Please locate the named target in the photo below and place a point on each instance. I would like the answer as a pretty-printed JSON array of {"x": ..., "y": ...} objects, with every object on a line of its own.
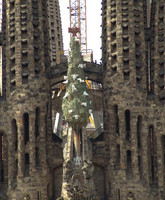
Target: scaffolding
[{"x": 78, "y": 22}]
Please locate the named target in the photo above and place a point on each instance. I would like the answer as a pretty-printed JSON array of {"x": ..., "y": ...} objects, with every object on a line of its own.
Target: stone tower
[
  {"x": 133, "y": 92},
  {"x": 55, "y": 31},
  {"x": 26, "y": 91},
  {"x": 128, "y": 157}
]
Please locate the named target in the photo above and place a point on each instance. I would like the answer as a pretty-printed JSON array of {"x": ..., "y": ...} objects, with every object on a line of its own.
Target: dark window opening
[
  {"x": 113, "y": 36},
  {"x": 126, "y": 52},
  {"x": 127, "y": 124},
  {"x": 39, "y": 195},
  {"x": 27, "y": 164},
  {"x": 13, "y": 84},
  {"x": 113, "y": 48},
  {"x": 140, "y": 166},
  {"x": 114, "y": 70},
  {"x": 113, "y": 59},
  {"x": 48, "y": 190},
  {"x": 25, "y": 79},
  {"x": 1, "y": 158},
  {"x": 152, "y": 151},
  {"x": 125, "y": 30},
  {"x": 126, "y": 75},
  {"x": 116, "y": 119},
  {"x": 113, "y": 25},
  {"x": 129, "y": 163},
  {"x": 12, "y": 74},
  {"x": 118, "y": 191},
  {"x": 2, "y": 146},
  {"x": 37, "y": 121},
  {"x": 26, "y": 127},
  {"x": 24, "y": 45},
  {"x": 109, "y": 188},
  {"x": 15, "y": 132},
  {"x": 152, "y": 154},
  {"x": 152, "y": 168},
  {"x": 2, "y": 175},
  {"x": 139, "y": 129}
]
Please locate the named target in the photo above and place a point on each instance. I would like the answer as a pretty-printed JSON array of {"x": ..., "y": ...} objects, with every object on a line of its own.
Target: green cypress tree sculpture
[{"x": 76, "y": 104}]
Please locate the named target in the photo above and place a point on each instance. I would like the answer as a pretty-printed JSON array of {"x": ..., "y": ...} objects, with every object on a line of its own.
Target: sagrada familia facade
[{"x": 126, "y": 161}]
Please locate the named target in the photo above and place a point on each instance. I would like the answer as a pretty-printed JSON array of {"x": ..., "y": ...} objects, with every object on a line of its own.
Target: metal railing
[{"x": 96, "y": 131}]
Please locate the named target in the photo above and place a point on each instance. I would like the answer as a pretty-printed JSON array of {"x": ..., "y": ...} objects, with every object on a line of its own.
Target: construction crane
[{"x": 78, "y": 23}]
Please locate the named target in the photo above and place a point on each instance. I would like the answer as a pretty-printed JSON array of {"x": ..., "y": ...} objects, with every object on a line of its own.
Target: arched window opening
[
  {"x": 127, "y": 124},
  {"x": 48, "y": 188},
  {"x": 27, "y": 164},
  {"x": 163, "y": 149},
  {"x": 37, "y": 121},
  {"x": 37, "y": 157},
  {"x": 140, "y": 166},
  {"x": 129, "y": 164},
  {"x": 139, "y": 129},
  {"x": 110, "y": 192},
  {"x": 26, "y": 127},
  {"x": 1, "y": 158},
  {"x": 15, "y": 133},
  {"x": 118, "y": 193},
  {"x": 116, "y": 119},
  {"x": 152, "y": 153}
]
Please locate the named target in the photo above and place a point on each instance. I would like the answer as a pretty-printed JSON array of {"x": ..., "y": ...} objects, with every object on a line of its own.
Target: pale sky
[{"x": 93, "y": 26}]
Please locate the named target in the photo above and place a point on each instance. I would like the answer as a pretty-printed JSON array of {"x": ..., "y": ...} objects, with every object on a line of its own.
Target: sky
[{"x": 93, "y": 26}]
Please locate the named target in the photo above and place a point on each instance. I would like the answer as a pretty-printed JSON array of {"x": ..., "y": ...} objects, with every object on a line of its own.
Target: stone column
[
  {"x": 144, "y": 154},
  {"x": 11, "y": 157},
  {"x": 135, "y": 169},
  {"x": 42, "y": 141},
  {"x": 86, "y": 154},
  {"x": 32, "y": 150}
]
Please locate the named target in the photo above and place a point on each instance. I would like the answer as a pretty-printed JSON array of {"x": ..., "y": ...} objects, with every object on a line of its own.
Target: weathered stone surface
[{"x": 128, "y": 158}]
